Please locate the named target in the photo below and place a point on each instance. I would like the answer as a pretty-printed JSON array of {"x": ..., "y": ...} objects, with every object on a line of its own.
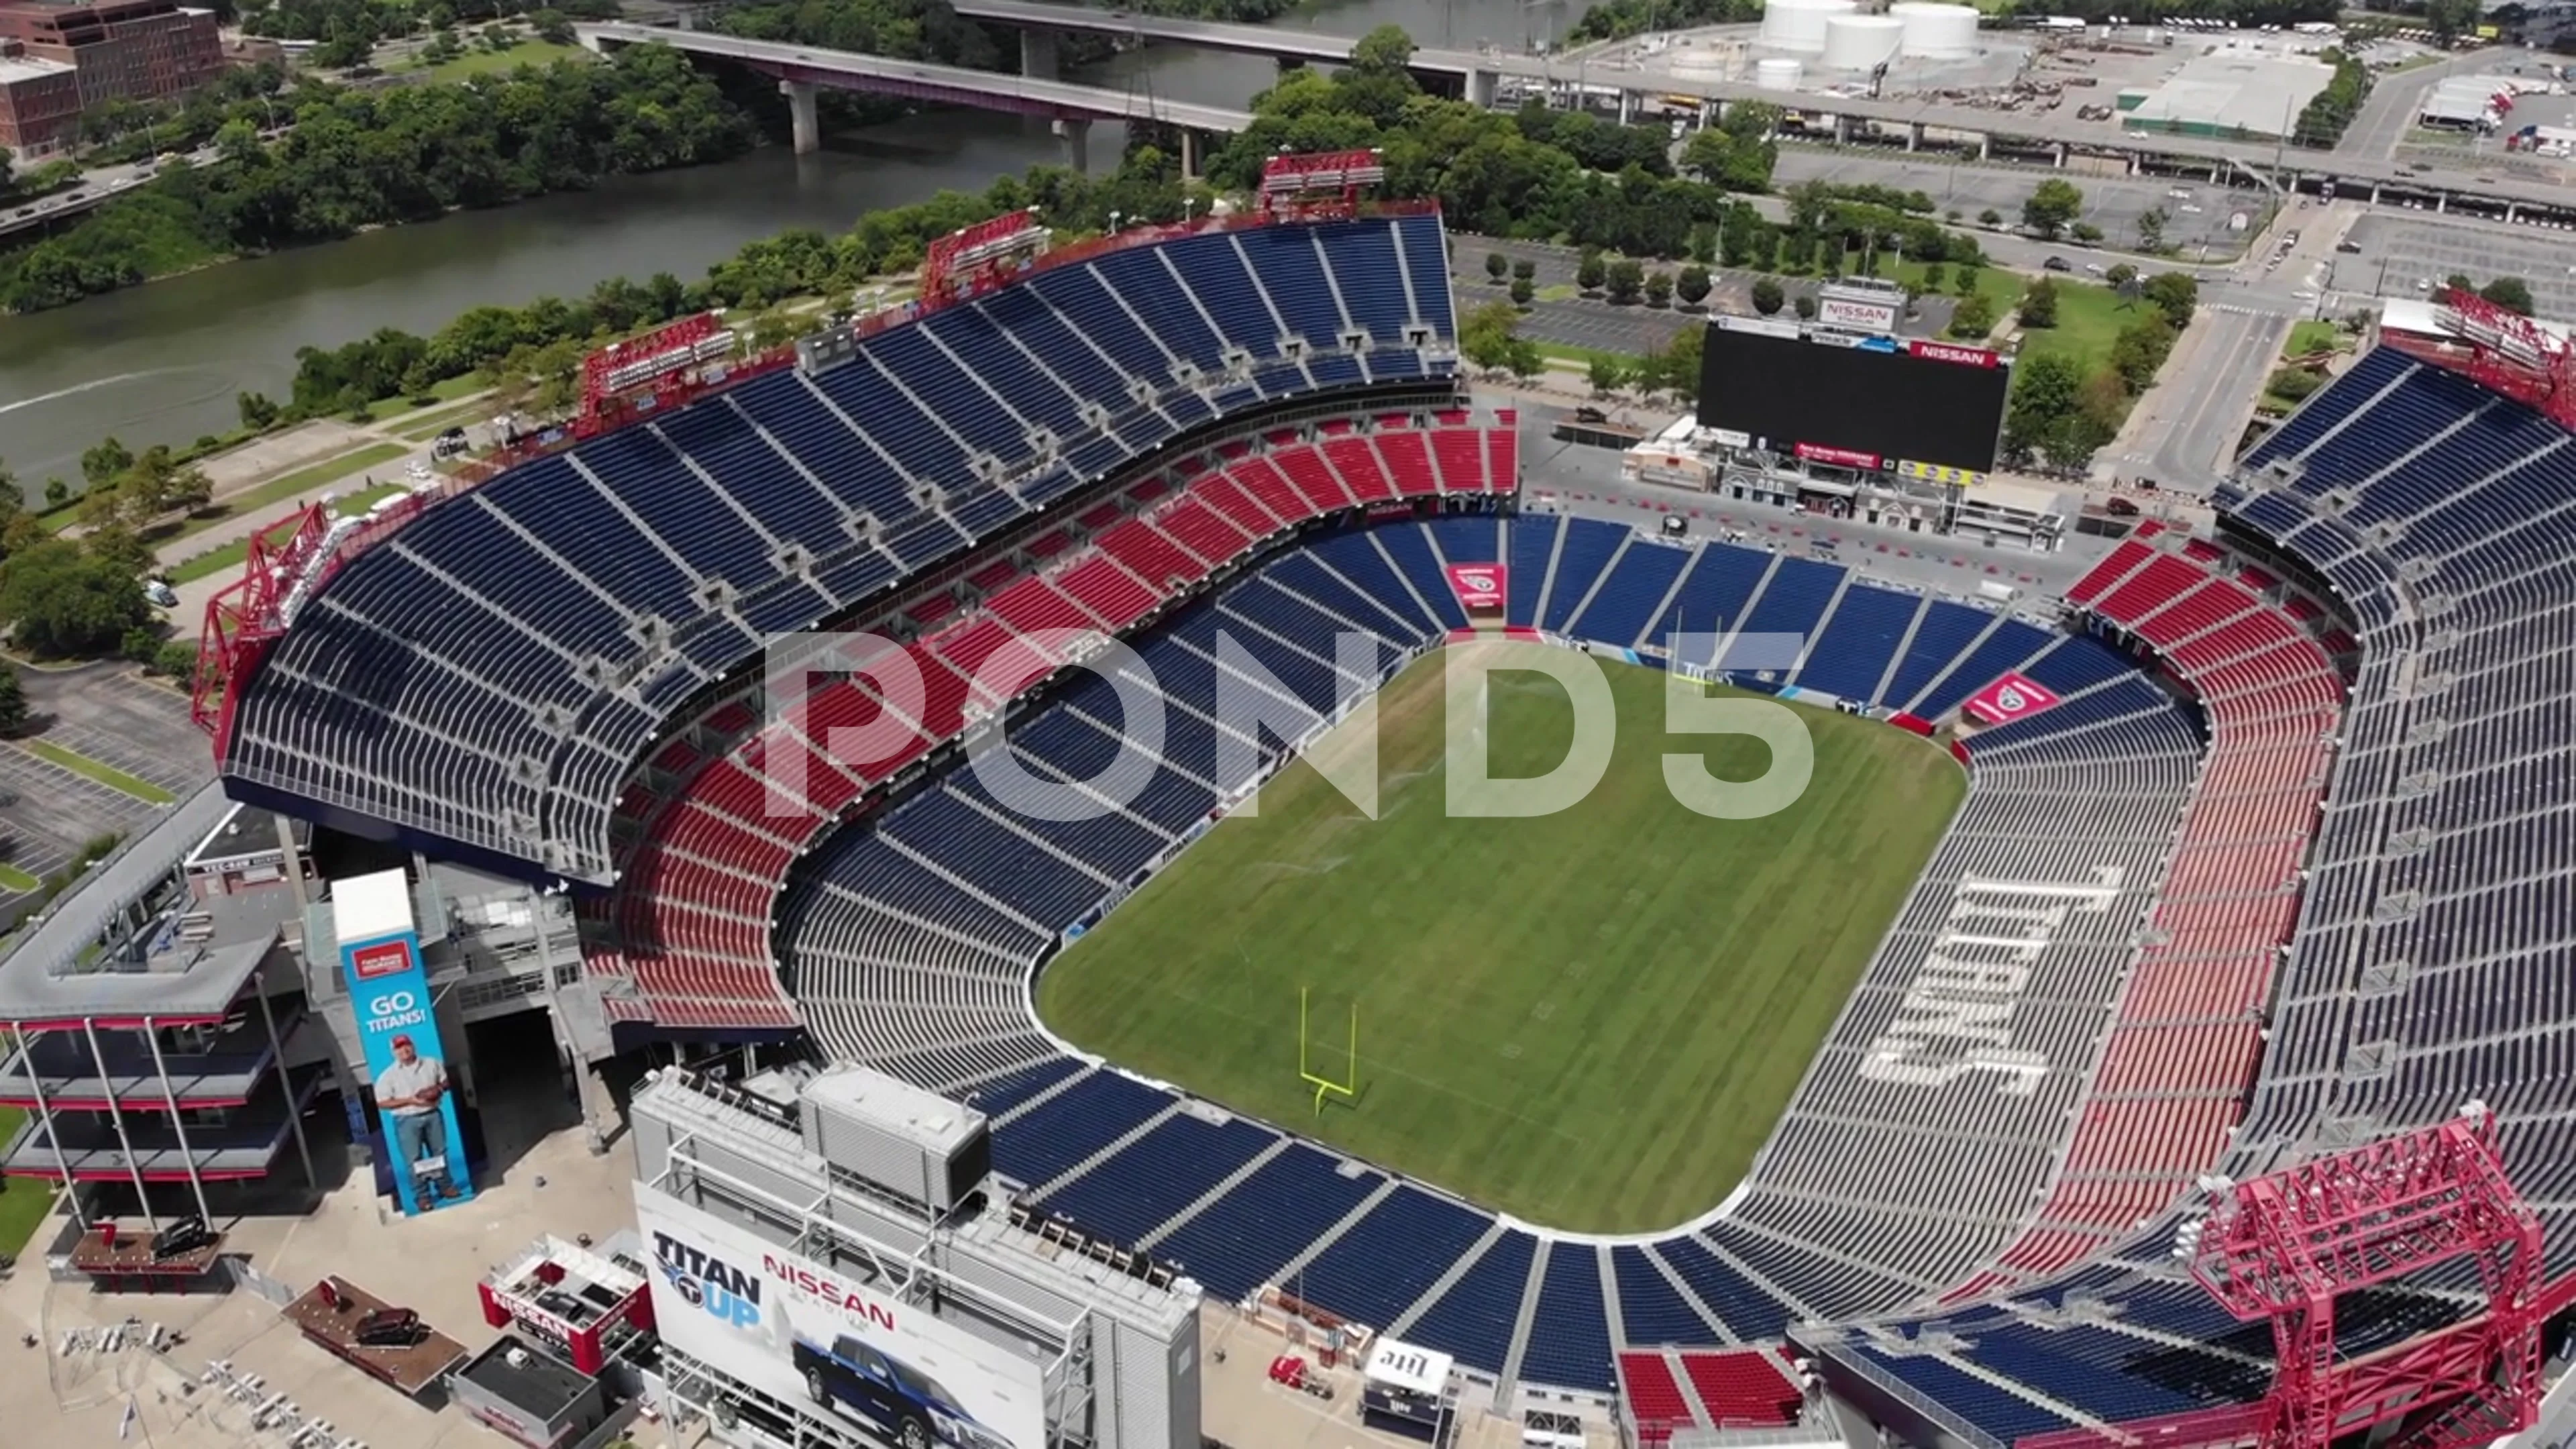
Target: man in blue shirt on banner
[{"x": 408, "y": 1092}]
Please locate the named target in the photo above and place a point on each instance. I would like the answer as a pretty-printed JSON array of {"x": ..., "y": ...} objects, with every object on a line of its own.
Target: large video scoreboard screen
[{"x": 1863, "y": 403}]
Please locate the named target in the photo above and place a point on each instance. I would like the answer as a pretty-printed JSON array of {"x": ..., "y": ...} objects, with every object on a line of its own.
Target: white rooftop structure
[
  {"x": 2258, "y": 93},
  {"x": 16, "y": 68}
]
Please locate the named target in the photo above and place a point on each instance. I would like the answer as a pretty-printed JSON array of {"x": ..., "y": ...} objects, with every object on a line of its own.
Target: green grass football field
[{"x": 1590, "y": 1020}]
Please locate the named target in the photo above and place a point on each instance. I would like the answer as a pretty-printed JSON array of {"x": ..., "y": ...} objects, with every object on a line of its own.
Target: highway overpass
[
  {"x": 803, "y": 69},
  {"x": 1908, "y": 121}
]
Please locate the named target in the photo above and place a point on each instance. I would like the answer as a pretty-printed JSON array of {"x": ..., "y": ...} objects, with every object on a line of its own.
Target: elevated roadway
[
  {"x": 801, "y": 69},
  {"x": 2359, "y": 167}
]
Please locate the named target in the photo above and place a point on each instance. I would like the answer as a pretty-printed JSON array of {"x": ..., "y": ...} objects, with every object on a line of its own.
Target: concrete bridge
[
  {"x": 802, "y": 70},
  {"x": 1897, "y": 121}
]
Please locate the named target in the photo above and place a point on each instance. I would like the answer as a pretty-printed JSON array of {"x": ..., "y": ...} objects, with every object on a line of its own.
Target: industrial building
[
  {"x": 59, "y": 61},
  {"x": 2231, "y": 92}
]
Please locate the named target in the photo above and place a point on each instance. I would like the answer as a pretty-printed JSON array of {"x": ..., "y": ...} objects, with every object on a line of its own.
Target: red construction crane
[{"x": 2511, "y": 354}]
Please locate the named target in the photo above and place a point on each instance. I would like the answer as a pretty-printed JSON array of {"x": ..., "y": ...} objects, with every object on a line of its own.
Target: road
[{"x": 96, "y": 187}]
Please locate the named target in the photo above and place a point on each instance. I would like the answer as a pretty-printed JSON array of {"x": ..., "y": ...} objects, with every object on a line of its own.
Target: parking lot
[
  {"x": 104, "y": 713},
  {"x": 2112, "y": 203},
  {"x": 1637, "y": 329},
  {"x": 2408, "y": 256}
]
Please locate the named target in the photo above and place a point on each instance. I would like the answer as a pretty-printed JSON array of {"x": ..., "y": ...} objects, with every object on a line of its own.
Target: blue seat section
[
  {"x": 1147, "y": 286},
  {"x": 978, "y": 341},
  {"x": 1946, "y": 630},
  {"x": 1411, "y": 550},
  {"x": 1533, "y": 544},
  {"x": 1291, "y": 270},
  {"x": 1355, "y": 557},
  {"x": 2131, "y": 695},
  {"x": 722, "y": 441},
  {"x": 1238, "y": 1242},
  {"x": 2365, "y": 380},
  {"x": 998, "y": 1096},
  {"x": 1743, "y": 1307},
  {"x": 1373, "y": 1272},
  {"x": 1569, "y": 1344},
  {"x": 1216, "y": 277},
  {"x": 1785, "y": 615},
  {"x": 862, "y": 862},
  {"x": 792, "y": 414},
  {"x": 2006, "y": 648},
  {"x": 1589, "y": 545},
  {"x": 1383, "y": 311},
  {"x": 1474, "y": 1318},
  {"x": 1110, "y": 843},
  {"x": 1626, "y": 601},
  {"x": 2086, "y": 1367},
  {"x": 872, "y": 393},
  {"x": 2078, "y": 663},
  {"x": 1650, "y": 1308},
  {"x": 1426, "y": 266},
  {"x": 1011, "y": 868},
  {"x": 1072, "y": 1125},
  {"x": 1378, "y": 604},
  {"x": 1469, "y": 538},
  {"x": 1158, "y": 1175},
  {"x": 2005, "y": 1415},
  {"x": 612, "y": 551},
  {"x": 1712, "y": 597},
  {"x": 1852, "y": 652}
]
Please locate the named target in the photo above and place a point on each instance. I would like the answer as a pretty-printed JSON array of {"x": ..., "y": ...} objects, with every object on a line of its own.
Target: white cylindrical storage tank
[
  {"x": 1800, "y": 24},
  {"x": 1698, "y": 62},
  {"x": 1935, "y": 31},
  {"x": 1779, "y": 73},
  {"x": 1861, "y": 42}
]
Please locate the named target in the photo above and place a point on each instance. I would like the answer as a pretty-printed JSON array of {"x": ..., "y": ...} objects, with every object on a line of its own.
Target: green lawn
[
  {"x": 2089, "y": 319},
  {"x": 17, "y": 882},
  {"x": 23, "y": 1200},
  {"x": 1999, "y": 287},
  {"x": 2311, "y": 334},
  {"x": 100, "y": 771},
  {"x": 479, "y": 61},
  {"x": 272, "y": 492},
  {"x": 1591, "y": 1019}
]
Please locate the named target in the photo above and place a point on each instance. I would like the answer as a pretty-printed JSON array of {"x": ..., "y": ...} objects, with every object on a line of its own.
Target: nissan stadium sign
[{"x": 797, "y": 1330}]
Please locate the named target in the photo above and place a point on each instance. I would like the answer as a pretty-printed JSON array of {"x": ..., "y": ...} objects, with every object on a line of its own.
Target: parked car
[
  {"x": 2057, "y": 264},
  {"x": 907, "y": 1404},
  {"x": 161, "y": 595}
]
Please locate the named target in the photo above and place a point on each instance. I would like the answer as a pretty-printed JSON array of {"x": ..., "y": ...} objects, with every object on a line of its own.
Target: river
[{"x": 162, "y": 363}]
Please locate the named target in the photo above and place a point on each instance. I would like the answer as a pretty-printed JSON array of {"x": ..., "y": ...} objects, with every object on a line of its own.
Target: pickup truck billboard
[{"x": 795, "y": 1329}]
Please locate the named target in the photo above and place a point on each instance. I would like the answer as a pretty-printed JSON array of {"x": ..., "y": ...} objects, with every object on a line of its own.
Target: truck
[{"x": 910, "y": 1407}]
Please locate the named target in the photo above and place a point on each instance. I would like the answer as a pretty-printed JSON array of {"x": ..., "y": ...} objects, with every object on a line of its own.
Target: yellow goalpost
[{"x": 1348, "y": 1087}]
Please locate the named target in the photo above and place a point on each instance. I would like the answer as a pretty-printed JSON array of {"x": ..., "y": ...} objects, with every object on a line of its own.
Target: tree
[
  {"x": 1767, "y": 297},
  {"x": 257, "y": 412},
  {"x": 1497, "y": 266},
  {"x": 2087, "y": 233},
  {"x": 1525, "y": 270},
  {"x": 1935, "y": 275},
  {"x": 552, "y": 27},
  {"x": 1990, "y": 217},
  {"x": 1485, "y": 337},
  {"x": 2151, "y": 229},
  {"x": 2175, "y": 294},
  {"x": 1609, "y": 374},
  {"x": 1385, "y": 51},
  {"x": 104, "y": 462},
  {"x": 1974, "y": 318},
  {"x": 2121, "y": 276},
  {"x": 1969, "y": 280},
  {"x": 2292, "y": 384},
  {"x": 2450, "y": 19},
  {"x": 1525, "y": 360},
  {"x": 13, "y": 702},
  {"x": 1524, "y": 292},
  {"x": 2140, "y": 351},
  {"x": 1627, "y": 277},
  {"x": 1805, "y": 307},
  {"x": 2043, "y": 398},
  {"x": 1659, "y": 289},
  {"x": 2039, "y": 304},
  {"x": 1590, "y": 271},
  {"x": 1693, "y": 288},
  {"x": 2511, "y": 293},
  {"x": 2052, "y": 205},
  {"x": 57, "y": 493},
  {"x": 59, "y": 599}
]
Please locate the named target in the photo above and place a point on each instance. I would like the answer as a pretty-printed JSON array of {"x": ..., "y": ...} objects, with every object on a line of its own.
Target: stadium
[{"x": 2176, "y": 978}]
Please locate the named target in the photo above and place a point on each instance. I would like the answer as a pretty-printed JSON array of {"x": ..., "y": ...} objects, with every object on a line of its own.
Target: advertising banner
[
  {"x": 407, "y": 1069},
  {"x": 1481, "y": 585},
  {"x": 792, "y": 1328},
  {"x": 1870, "y": 316},
  {"x": 1840, "y": 457},
  {"x": 1953, "y": 352},
  {"x": 2010, "y": 698}
]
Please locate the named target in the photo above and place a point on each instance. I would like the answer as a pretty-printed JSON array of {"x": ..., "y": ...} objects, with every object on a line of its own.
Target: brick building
[{"x": 58, "y": 60}]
